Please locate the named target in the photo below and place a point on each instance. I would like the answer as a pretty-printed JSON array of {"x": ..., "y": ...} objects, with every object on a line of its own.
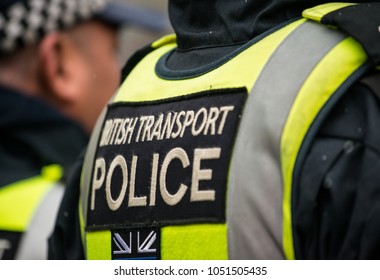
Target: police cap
[{"x": 23, "y": 22}]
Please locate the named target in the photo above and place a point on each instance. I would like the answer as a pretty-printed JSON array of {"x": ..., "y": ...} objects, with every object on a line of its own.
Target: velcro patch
[{"x": 165, "y": 162}]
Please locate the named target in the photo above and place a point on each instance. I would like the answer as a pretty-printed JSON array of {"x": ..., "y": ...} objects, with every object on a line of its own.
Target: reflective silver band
[
  {"x": 34, "y": 242},
  {"x": 255, "y": 198}
]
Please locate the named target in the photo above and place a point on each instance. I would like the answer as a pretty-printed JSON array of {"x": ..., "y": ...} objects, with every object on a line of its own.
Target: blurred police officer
[
  {"x": 58, "y": 67},
  {"x": 252, "y": 134}
]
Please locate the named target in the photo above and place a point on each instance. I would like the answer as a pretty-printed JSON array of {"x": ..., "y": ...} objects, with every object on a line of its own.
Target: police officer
[
  {"x": 56, "y": 58},
  {"x": 250, "y": 134}
]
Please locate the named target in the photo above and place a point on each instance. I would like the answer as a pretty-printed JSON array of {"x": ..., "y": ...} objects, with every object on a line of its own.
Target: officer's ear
[{"x": 60, "y": 68}]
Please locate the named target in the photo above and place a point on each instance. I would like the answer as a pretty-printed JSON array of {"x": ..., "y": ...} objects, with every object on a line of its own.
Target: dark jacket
[{"x": 33, "y": 135}]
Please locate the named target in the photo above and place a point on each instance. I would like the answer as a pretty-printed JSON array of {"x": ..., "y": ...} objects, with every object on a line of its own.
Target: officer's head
[{"x": 64, "y": 51}]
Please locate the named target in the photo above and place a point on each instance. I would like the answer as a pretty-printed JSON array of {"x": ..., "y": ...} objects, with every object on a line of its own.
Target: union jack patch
[{"x": 136, "y": 244}]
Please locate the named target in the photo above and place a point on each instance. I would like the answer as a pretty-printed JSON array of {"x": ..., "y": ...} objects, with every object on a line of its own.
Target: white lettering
[
  {"x": 115, "y": 193},
  {"x": 168, "y": 126},
  {"x": 202, "y": 174},
  {"x": 116, "y": 125},
  {"x": 114, "y": 204},
  {"x": 188, "y": 121},
  {"x": 179, "y": 124},
  {"x": 225, "y": 110},
  {"x": 198, "y": 131},
  {"x": 180, "y": 154},
  {"x": 157, "y": 128},
  {"x": 121, "y": 133},
  {"x": 147, "y": 129},
  {"x": 142, "y": 122},
  {"x": 106, "y": 134},
  {"x": 134, "y": 201},
  {"x": 129, "y": 130},
  {"x": 212, "y": 118}
]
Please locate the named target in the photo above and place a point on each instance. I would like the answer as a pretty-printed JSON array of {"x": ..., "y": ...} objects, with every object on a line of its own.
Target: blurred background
[{"x": 133, "y": 38}]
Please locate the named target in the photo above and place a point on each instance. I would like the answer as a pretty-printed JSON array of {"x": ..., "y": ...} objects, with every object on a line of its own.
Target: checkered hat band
[{"x": 25, "y": 22}]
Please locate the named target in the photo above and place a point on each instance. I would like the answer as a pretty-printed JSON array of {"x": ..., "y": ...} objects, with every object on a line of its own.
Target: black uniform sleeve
[
  {"x": 336, "y": 212},
  {"x": 65, "y": 243}
]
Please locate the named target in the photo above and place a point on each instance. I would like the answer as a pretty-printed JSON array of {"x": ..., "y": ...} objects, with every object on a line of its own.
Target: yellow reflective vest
[
  {"x": 200, "y": 164},
  {"x": 27, "y": 214}
]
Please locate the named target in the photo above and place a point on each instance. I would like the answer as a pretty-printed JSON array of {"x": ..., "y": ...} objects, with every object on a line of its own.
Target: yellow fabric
[
  {"x": 19, "y": 201},
  {"x": 143, "y": 84},
  {"x": 52, "y": 172},
  {"x": 318, "y": 12},
  {"x": 317, "y": 89},
  {"x": 82, "y": 224},
  {"x": 96, "y": 240},
  {"x": 168, "y": 39},
  {"x": 249, "y": 65},
  {"x": 194, "y": 242}
]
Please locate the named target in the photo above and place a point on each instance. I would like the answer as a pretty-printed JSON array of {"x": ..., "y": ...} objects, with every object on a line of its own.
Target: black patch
[
  {"x": 136, "y": 244},
  {"x": 215, "y": 115},
  {"x": 9, "y": 241},
  {"x": 362, "y": 22}
]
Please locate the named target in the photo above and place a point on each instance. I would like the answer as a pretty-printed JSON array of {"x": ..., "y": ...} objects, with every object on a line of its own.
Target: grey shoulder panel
[
  {"x": 34, "y": 244},
  {"x": 255, "y": 198}
]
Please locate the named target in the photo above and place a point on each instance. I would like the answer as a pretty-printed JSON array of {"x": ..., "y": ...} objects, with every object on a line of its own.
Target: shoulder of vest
[
  {"x": 144, "y": 51},
  {"x": 33, "y": 189},
  {"x": 360, "y": 21}
]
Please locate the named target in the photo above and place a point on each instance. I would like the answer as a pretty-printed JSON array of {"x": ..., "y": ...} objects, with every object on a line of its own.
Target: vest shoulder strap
[
  {"x": 360, "y": 21},
  {"x": 144, "y": 51}
]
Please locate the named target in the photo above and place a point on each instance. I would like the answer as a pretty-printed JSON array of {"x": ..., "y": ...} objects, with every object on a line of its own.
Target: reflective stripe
[
  {"x": 248, "y": 63},
  {"x": 19, "y": 201},
  {"x": 258, "y": 208},
  {"x": 346, "y": 57},
  {"x": 255, "y": 198},
  {"x": 316, "y": 13},
  {"x": 30, "y": 207},
  {"x": 33, "y": 245}
]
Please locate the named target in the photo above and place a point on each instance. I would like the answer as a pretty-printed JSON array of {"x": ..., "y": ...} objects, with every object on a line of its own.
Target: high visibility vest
[
  {"x": 28, "y": 210},
  {"x": 200, "y": 164}
]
